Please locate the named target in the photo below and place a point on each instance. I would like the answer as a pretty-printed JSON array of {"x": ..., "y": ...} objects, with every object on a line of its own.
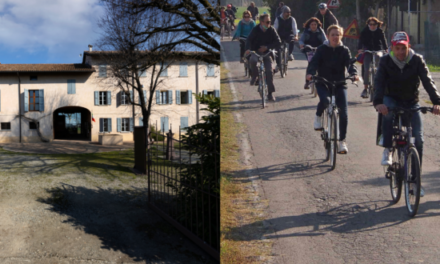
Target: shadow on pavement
[{"x": 123, "y": 222}]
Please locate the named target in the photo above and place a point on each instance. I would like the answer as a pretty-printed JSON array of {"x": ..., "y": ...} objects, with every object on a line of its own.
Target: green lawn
[
  {"x": 241, "y": 9},
  {"x": 434, "y": 68}
]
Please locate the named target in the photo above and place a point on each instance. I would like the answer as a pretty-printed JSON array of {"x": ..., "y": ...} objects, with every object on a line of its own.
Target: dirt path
[
  {"x": 50, "y": 215},
  {"x": 340, "y": 216}
]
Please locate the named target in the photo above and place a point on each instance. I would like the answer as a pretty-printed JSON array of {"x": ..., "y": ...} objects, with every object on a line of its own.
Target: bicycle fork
[{"x": 333, "y": 109}]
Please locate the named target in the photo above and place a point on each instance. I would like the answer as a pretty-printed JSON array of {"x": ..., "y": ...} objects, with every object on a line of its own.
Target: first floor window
[
  {"x": 6, "y": 126},
  {"x": 105, "y": 125},
  {"x": 34, "y": 100},
  {"x": 125, "y": 126},
  {"x": 164, "y": 97},
  {"x": 103, "y": 98}
]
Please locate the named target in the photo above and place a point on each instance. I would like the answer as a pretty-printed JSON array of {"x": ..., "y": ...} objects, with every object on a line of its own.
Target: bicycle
[
  {"x": 330, "y": 119},
  {"x": 309, "y": 52},
  {"x": 373, "y": 71},
  {"x": 405, "y": 166},
  {"x": 247, "y": 69},
  {"x": 284, "y": 58},
  {"x": 262, "y": 84}
]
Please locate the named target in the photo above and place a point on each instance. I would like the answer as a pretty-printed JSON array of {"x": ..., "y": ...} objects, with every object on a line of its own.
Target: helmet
[
  {"x": 229, "y": 6},
  {"x": 322, "y": 6}
]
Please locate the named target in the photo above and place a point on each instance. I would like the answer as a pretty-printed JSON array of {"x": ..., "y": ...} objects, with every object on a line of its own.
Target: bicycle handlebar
[
  {"x": 375, "y": 51},
  {"x": 262, "y": 56},
  {"x": 333, "y": 83}
]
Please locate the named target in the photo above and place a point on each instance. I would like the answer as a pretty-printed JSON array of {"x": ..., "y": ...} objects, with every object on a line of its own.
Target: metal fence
[{"x": 183, "y": 186}]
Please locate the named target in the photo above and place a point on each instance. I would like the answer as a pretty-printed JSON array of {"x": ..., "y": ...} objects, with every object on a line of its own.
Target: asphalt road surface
[{"x": 340, "y": 216}]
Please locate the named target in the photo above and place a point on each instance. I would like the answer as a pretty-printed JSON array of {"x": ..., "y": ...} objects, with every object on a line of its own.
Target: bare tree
[
  {"x": 128, "y": 53},
  {"x": 197, "y": 21}
]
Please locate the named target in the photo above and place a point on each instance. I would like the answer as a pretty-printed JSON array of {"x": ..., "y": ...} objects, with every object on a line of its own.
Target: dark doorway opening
[{"x": 72, "y": 123}]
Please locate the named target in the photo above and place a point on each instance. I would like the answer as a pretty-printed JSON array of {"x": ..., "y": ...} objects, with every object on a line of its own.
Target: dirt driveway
[{"x": 82, "y": 208}]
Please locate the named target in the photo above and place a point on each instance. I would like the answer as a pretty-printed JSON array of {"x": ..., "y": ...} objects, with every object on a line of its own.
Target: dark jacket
[
  {"x": 254, "y": 12},
  {"x": 403, "y": 85},
  {"x": 327, "y": 20},
  {"x": 305, "y": 37},
  {"x": 330, "y": 63},
  {"x": 259, "y": 38},
  {"x": 230, "y": 13},
  {"x": 372, "y": 40}
]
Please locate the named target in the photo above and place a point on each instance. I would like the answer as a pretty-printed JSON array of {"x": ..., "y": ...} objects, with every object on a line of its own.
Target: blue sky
[{"x": 47, "y": 31}]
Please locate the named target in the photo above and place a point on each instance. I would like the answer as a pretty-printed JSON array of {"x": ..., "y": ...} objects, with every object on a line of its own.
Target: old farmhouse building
[{"x": 65, "y": 99}]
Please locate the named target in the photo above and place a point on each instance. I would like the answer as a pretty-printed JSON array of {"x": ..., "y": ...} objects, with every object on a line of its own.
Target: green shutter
[
  {"x": 178, "y": 97},
  {"x": 131, "y": 124},
  {"x": 109, "y": 125},
  {"x": 96, "y": 98},
  {"x": 183, "y": 122},
  {"x": 118, "y": 124},
  {"x": 190, "y": 97},
  {"x": 170, "y": 97},
  {"x": 158, "y": 97},
  {"x": 184, "y": 69},
  {"x": 41, "y": 97},
  {"x": 109, "y": 98}
]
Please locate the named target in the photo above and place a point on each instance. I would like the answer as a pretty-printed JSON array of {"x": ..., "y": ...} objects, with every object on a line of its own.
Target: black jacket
[
  {"x": 330, "y": 63},
  {"x": 259, "y": 38},
  {"x": 254, "y": 11},
  {"x": 372, "y": 40},
  {"x": 327, "y": 20},
  {"x": 403, "y": 85},
  {"x": 229, "y": 12}
]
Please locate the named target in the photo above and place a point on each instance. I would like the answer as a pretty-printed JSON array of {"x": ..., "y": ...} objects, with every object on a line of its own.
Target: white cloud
[{"x": 58, "y": 26}]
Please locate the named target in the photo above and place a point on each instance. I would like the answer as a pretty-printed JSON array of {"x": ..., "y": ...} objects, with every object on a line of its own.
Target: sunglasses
[
  {"x": 372, "y": 25},
  {"x": 247, "y": 17}
]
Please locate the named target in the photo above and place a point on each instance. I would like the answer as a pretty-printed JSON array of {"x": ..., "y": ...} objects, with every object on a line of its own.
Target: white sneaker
[
  {"x": 387, "y": 158},
  {"x": 317, "y": 124},
  {"x": 342, "y": 147},
  {"x": 291, "y": 57}
]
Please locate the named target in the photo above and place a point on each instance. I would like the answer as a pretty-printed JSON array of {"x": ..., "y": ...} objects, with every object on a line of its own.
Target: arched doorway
[{"x": 72, "y": 123}]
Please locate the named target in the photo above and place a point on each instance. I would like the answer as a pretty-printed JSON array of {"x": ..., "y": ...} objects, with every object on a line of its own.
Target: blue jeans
[
  {"x": 341, "y": 103},
  {"x": 416, "y": 124}
]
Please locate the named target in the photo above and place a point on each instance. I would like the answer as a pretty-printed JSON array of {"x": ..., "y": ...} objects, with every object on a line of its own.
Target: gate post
[{"x": 170, "y": 146}]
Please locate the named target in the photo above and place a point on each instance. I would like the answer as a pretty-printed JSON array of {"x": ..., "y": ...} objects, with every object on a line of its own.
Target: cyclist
[
  {"x": 372, "y": 38},
  {"x": 231, "y": 16},
  {"x": 254, "y": 10},
  {"x": 397, "y": 85},
  {"x": 244, "y": 28},
  {"x": 313, "y": 35},
  {"x": 330, "y": 61},
  {"x": 234, "y": 9},
  {"x": 263, "y": 38},
  {"x": 224, "y": 18},
  {"x": 286, "y": 28},
  {"x": 325, "y": 16},
  {"x": 279, "y": 9}
]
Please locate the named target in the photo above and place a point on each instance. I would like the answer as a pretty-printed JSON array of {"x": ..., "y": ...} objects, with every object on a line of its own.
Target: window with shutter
[
  {"x": 71, "y": 86},
  {"x": 178, "y": 97},
  {"x": 102, "y": 71},
  {"x": 217, "y": 93},
  {"x": 190, "y": 97},
  {"x": 183, "y": 122},
  {"x": 183, "y": 69},
  {"x": 210, "y": 70},
  {"x": 164, "y": 71}
]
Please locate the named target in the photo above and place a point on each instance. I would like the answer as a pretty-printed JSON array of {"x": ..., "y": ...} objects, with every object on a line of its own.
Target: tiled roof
[{"x": 4, "y": 68}]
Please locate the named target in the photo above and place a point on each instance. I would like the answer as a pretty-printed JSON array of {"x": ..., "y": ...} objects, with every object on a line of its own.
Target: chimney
[{"x": 90, "y": 47}]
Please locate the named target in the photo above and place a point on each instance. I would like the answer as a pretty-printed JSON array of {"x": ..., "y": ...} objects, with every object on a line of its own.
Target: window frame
[
  {"x": 36, "y": 125},
  {"x": 34, "y": 103},
  {"x": 4, "y": 123},
  {"x": 102, "y": 95},
  {"x": 126, "y": 123}
]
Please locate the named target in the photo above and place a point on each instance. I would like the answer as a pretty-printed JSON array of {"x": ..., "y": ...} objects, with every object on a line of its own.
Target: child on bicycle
[
  {"x": 330, "y": 61},
  {"x": 244, "y": 28},
  {"x": 313, "y": 35},
  {"x": 372, "y": 38}
]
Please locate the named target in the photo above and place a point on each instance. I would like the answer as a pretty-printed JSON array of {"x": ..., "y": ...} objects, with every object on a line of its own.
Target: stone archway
[{"x": 72, "y": 123}]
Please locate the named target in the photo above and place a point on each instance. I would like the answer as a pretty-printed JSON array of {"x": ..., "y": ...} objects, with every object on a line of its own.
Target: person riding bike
[
  {"x": 279, "y": 9},
  {"x": 263, "y": 38},
  {"x": 286, "y": 28},
  {"x": 330, "y": 61},
  {"x": 244, "y": 28},
  {"x": 224, "y": 19},
  {"x": 325, "y": 16},
  {"x": 254, "y": 10},
  {"x": 313, "y": 35},
  {"x": 397, "y": 85},
  {"x": 372, "y": 38},
  {"x": 231, "y": 16}
]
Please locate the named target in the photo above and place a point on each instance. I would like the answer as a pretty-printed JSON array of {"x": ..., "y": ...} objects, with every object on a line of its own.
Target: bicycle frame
[{"x": 262, "y": 76}]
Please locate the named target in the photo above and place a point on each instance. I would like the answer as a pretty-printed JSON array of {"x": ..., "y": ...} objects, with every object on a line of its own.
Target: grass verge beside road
[
  {"x": 434, "y": 68},
  {"x": 241, "y": 222}
]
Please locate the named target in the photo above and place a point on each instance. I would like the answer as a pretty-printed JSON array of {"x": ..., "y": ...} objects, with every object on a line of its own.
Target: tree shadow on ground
[
  {"x": 346, "y": 218},
  {"x": 123, "y": 222}
]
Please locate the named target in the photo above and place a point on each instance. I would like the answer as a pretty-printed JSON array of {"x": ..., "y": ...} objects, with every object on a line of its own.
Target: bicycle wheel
[
  {"x": 395, "y": 173},
  {"x": 324, "y": 134},
  {"x": 412, "y": 181},
  {"x": 286, "y": 61},
  {"x": 333, "y": 139},
  {"x": 264, "y": 90},
  {"x": 261, "y": 88},
  {"x": 372, "y": 85}
]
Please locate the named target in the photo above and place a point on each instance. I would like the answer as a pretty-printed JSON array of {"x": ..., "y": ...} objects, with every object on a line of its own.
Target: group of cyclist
[{"x": 396, "y": 83}]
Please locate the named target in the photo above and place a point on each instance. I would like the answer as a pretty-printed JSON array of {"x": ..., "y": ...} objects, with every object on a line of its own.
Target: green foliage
[{"x": 199, "y": 188}]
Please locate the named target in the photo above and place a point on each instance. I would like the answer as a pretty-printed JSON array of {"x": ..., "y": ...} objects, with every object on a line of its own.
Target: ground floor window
[
  {"x": 6, "y": 126},
  {"x": 33, "y": 125},
  {"x": 125, "y": 124},
  {"x": 105, "y": 125}
]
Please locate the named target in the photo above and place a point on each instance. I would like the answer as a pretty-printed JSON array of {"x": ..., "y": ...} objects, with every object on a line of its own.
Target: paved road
[{"x": 340, "y": 216}]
